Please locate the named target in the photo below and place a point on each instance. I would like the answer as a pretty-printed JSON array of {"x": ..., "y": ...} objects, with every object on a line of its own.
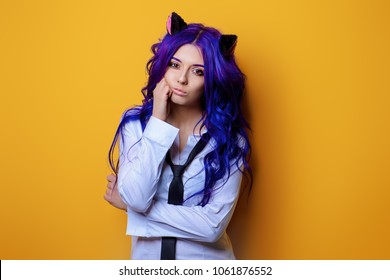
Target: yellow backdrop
[{"x": 317, "y": 100}]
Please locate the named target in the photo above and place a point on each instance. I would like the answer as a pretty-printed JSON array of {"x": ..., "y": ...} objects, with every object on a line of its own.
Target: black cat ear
[
  {"x": 227, "y": 44},
  {"x": 175, "y": 24}
]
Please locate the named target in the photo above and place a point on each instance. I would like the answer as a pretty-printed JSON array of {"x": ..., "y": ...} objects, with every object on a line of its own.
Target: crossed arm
[{"x": 134, "y": 191}]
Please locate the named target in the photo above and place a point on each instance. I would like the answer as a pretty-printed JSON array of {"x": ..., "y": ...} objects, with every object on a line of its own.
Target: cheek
[
  {"x": 169, "y": 75},
  {"x": 200, "y": 86}
]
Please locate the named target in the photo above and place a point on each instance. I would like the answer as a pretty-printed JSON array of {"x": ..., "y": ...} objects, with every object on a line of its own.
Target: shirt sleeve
[
  {"x": 203, "y": 224},
  {"x": 141, "y": 161}
]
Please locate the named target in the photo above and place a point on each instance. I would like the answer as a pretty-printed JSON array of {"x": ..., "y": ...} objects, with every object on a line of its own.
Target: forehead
[{"x": 189, "y": 54}]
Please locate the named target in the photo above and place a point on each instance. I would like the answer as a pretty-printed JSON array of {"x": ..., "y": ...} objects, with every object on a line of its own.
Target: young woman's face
[{"x": 185, "y": 76}]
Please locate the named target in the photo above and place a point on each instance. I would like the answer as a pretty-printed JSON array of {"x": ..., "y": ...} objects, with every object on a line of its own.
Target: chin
[
  {"x": 183, "y": 101},
  {"x": 178, "y": 100}
]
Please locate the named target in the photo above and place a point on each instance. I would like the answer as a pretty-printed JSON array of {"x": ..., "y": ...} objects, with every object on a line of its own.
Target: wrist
[{"x": 159, "y": 116}]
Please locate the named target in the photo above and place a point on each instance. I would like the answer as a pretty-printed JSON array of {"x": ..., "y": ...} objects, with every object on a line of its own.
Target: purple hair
[{"x": 221, "y": 102}]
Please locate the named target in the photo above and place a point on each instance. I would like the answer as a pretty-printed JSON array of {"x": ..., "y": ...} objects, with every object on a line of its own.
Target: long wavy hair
[{"x": 221, "y": 103}]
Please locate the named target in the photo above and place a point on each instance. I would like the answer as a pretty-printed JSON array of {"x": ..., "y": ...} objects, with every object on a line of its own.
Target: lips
[{"x": 179, "y": 92}]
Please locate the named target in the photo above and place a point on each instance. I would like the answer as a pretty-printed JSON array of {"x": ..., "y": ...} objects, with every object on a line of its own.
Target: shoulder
[
  {"x": 130, "y": 123},
  {"x": 237, "y": 141},
  {"x": 132, "y": 127},
  {"x": 234, "y": 151}
]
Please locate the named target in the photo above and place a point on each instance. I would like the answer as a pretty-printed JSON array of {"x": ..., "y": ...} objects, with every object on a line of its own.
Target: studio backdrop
[{"x": 317, "y": 99}]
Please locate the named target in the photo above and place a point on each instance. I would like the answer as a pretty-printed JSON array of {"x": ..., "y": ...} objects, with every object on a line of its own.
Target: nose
[{"x": 182, "y": 79}]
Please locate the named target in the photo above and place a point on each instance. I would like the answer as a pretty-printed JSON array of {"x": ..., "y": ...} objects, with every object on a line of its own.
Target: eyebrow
[{"x": 174, "y": 58}]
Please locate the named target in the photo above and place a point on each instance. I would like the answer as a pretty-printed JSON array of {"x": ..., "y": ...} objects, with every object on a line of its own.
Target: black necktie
[{"x": 176, "y": 191}]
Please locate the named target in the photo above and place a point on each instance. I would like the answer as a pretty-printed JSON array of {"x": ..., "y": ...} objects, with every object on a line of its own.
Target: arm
[
  {"x": 204, "y": 224},
  {"x": 140, "y": 169}
]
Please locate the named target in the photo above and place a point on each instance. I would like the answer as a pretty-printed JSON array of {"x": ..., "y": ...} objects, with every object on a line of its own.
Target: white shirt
[{"x": 143, "y": 182}]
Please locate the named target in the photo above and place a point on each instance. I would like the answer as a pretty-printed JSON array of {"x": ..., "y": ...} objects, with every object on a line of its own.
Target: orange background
[{"x": 317, "y": 100}]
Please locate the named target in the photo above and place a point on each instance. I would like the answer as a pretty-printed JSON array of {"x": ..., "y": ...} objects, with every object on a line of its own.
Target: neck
[{"x": 185, "y": 117}]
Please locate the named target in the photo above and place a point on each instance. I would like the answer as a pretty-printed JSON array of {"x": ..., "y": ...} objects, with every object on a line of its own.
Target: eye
[
  {"x": 173, "y": 64},
  {"x": 198, "y": 71}
]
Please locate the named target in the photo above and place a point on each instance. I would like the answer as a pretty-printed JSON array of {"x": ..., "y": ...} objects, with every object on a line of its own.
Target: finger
[
  {"x": 111, "y": 177},
  {"x": 167, "y": 91},
  {"x": 163, "y": 82},
  {"x": 160, "y": 85},
  {"x": 107, "y": 198}
]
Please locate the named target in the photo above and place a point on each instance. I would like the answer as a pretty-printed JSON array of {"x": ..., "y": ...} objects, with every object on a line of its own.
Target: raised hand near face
[{"x": 161, "y": 95}]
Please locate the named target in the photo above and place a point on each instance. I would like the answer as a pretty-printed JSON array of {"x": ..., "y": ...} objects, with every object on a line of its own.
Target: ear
[
  {"x": 227, "y": 44},
  {"x": 175, "y": 24}
]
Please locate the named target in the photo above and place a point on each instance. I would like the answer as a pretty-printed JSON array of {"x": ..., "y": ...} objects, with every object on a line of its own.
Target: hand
[
  {"x": 112, "y": 194},
  {"x": 161, "y": 95}
]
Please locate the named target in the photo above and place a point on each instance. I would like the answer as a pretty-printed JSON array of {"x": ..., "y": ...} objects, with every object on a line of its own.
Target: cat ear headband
[{"x": 227, "y": 43}]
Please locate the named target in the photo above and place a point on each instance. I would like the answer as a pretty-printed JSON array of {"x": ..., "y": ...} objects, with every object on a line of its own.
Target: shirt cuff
[{"x": 160, "y": 132}]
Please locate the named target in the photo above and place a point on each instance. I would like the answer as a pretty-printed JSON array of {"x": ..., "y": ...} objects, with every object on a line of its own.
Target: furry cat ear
[
  {"x": 175, "y": 24},
  {"x": 227, "y": 44}
]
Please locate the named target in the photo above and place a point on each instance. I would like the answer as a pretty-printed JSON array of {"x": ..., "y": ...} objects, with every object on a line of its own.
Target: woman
[{"x": 184, "y": 150}]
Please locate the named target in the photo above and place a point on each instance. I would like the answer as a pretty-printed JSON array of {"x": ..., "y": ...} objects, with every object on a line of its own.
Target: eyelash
[
  {"x": 196, "y": 71},
  {"x": 173, "y": 64}
]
